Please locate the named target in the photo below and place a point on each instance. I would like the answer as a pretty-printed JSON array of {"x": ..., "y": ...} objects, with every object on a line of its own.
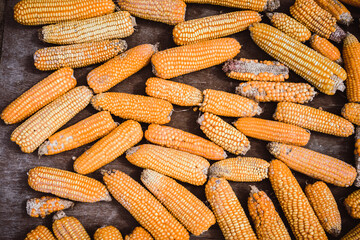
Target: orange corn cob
[
  {"x": 351, "y": 54},
  {"x": 144, "y": 207},
  {"x": 352, "y": 204},
  {"x": 40, "y": 233},
  {"x": 351, "y": 111},
  {"x": 77, "y": 55},
  {"x": 337, "y": 9},
  {"x": 228, "y": 104},
  {"x": 223, "y": 134},
  {"x": 67, "y": 185},
  {"x": 354, "y": 234},
  {"x": 357, "y": 156},
  {"x": 135, "y": 107},
  {"x": 229, "y": 214},
  {"x": 268, "y": 224},
  {"x": 40, "y": 207},
  {"x": 256, "y": 5},
  {"x": 180, "y": 165},
  {"x": 107, "y": 233},
  {"x": 354, "y": 3},
  {"x": 120, "y": 67},
  {"x": 273, "y": 131},
  {"x": 139, "y": 234},
  {"x": 81, "y": 133},
  {"x": 39, "y": 12},
  {"x": 241, "y": 169},
  {"x": 325, "y": 207},
  {"x": 188, "y": 209},
  {"x": 66, "y": 228},
  {"x": 290, "y": 26},
  {"x": 174, "y": 92},
  {"x": 175, "y": 138},
  {"x": 178, "y": 61},
  {"x": 35, "y": 130},
  {"x": 326, "y": 48},
  {"x": 212, "y": 27},
  {"x": 255, "y": 70},
  {"x": 277, "y": 91},
  {"x": 44, "y": 92},
  {"x": 170, "y": 12},
  {"x": 313, "y": 119},
  {"x": 109, "y": 147},
  {"x": 296, "y": 207},
  {"x": 320, "y": 71},
  {"x": 314, "y": 164}
]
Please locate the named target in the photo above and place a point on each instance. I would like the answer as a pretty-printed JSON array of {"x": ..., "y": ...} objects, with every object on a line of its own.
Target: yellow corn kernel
[
  {"x": 256, "y": 5},
  {"x": 354, "y": 234},
  {"x": 68, "y": 228},
  {"x": 351, "y": 111},
  {"x": 139, "y": 234},
  {"x": 352, "y": 204},
  {"x": 337, "y": 9},
  {"x": 40, "y": 207},
  {"x": 40, "y": 233},
  {"x": 351, "y": 54},
  {"x": 326, "y": 48},
  {"x": 107, "y": 233}
]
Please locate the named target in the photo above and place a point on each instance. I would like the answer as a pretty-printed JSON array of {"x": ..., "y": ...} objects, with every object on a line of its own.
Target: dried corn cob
[
  {"x": 289, "y": 26},
  {"x": 177, "y": 61},
  {"x": 170, "y": 12},
  {"x": 352, "y": 204},
  {"x": 109, "y": 147},
  {"x": 256, "y": 5},
  {"x": 188, "y": 209},
  {"x": 184, "y": 141},
  {"x": 39, "y": 12},
  {"x": 325, "y": 207},
  {"x": 135, "y": 107},
  {"x": 68, "y": 228},
  {"x": 40, "y": 233},
  {"x": 301, "y": 217},
  {"x": 354, "y": 3},
  {"x": 273, "y": 131},
  {"x": 320, "y": 71},
  {"x": 351, "y": 53},
  {"x": 40, "y": 207},
  {"x": 144, "y": 207},
  {"x": 230, "y": 216},
  {"x": 268, "y": 224},
  {"x": 44, "y": 92},
  {"x": 354, "y": 234},
  {"x": 107, "y": 233},
  {"x": 77, "y": 55},
  {"x": 67, "y": 185},
  {"x": 120, "y": 67},
  {"x": 254, "y": 70},
  {"x": 139, "y": 234},
  {"x": 174, "y": 92},
  {"x": 337, "y": 9},
  {"x": 81, "y": 133},
  {"x": 351, "y": 111},
  {"x": 314, "y": 164},
  {"x": 212, "y": 27},
  {"x": 357, "y": 156},
  {"x": 326, "y": 48},
  {"x": 240, "y": 169},
  {"x": 35, "y": 130},
  {"x": 313, "y": 119},
  {"x": 180, "y": 165}
]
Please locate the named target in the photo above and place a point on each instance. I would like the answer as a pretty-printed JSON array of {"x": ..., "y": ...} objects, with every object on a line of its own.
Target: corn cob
[
  {"x": 268, "y": 224},
  {"x": 188, "y": 209},
  {"x": 170, "y": 12},
  {"x": 323, "y": 202},
  {"x": 44, "y": 92},
  {"x": 354, "y": 234},
  {"x": 320, "y": 71},
  {"x": 174, "y": 92},
  {"x": 254, "y": 70},
  {"x": 352, "y": 204},
  {"x": 81, "y": 133},
  {"x": 109, "y": 147},
  {"x": 77, "y": 55},
  {"x": 180, "y": 165},
  {"x": 35, "y": 130},
  {"x": 337, "y": 10},
  {"x": 314, "y": 164},
  {"x": 40, "y": 207},
  {"x": 354, "y": 3},
  {"x": 223, "y": 134},
  {"x": 326, "y": 48},
  {"x": 357, "y": 156},
  {"x": 229, "y": 214},
  {"x": 135, "y": 107},
  {"x": 120, "y": 67},
  {"x": 256, "y": 5},
  {"x": 313, "y": 119},
  {"x": 39, "y": 12},
  {"x": 212, "y": 27},
  {"x": 107, "y": 233},
  {"x": 240, "y": 169},
  {"x": 351, "y": 54},
  {"x": 68, "y": 228},
  {"x": 144, "y": 207},
  {"x": 139, "y": 234},
  {"x": 177, "y": 61},
  {"x": 177, "y": 139},
  {"x": 351, "y": 111},
  {"x": 273, "y": 131},
  {"x": 40, "y": 233},
  {"x": 67, "y": 185},
  {"x": 290, "y": 26},
  {"x": 301, "y": 217}
]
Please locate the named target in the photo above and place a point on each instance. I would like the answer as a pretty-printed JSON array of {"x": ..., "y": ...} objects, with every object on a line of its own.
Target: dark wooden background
[{"x": 17, "y": 74}]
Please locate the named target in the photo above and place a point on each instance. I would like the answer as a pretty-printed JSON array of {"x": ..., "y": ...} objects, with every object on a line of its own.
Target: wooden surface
[{"x": 17, "y": 74}]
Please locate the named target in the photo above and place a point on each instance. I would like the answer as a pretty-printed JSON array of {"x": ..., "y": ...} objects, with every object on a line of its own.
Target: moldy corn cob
[
  {"x": 337, "y": 9},
  {"x": 139, "y": 233},
  {"x": 326, "y": 48},
  {"x": 256, "y": 5},
  {"x": 357, "y": 156},
  {"x": 351, "y": 54},
  {"x": 40, "y": 207},
  {"x": 107, "y": 233},
  {"x": 40, "y": 233},
  {"x": 351, "y": 111},
  {"x": 68, "y": 228},
  {"x": 354, "y": 234},
  {"x": 352, "y": 204}
]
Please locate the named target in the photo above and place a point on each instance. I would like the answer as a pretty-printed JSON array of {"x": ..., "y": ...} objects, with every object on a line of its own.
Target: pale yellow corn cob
[
  {"x": 40, "y": 207},
  {"x": 326, "y": 48},
  {"x": 351, "y": 54},
  {"x": 256, "y": 5},
  {"x": 107, "y": 233},
  {"x": 337, "y": 9},
  {"x": 66, "y": 228},
  {"x": 352, "y": 204},
  {"x": 139, "y": 233},
  {"x": 40, "y": 233}
]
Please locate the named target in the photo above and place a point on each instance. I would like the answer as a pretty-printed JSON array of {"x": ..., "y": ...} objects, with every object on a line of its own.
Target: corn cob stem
[
  {"x": 351, "y": 111},
  {"x": 337, "y": 9},
  {"x": 352, "y": 204},
  {"x": 326, "y": 48},
  {"x": 357, "y": 156},
  {"x": 354, "y": 3},
  {"x": 256, "y": 5},
  {"x": 40, "y": 207},
  {"x": 40, "y": 233},
  {"x": 139, "y": 233},
  {"x": 107, "y": 233},
  {"x": 68, "y": 228},
  {"x": 354, "y": 234},
  {"x": 351, "y": 54}
]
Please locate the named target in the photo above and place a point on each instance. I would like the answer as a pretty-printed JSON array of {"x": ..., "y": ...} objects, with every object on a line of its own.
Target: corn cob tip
[
  {"x": 350, "y": 39},
  {"x": 133, "y": 21},
  {"x": 218, "y": 171},
  {"x": 338, "y": 35},
  {"x": 340, "y": 61},
  {"x": 339, "y": 84},
  {"x": 274, "y": 148},
  {"x": 43, "y": 150},
  {"x": 253, "y": 190},
  {"x": 270, "y": 15},
  {"x": 271, "y": 5},
  {"x": 59, "y": 215},
  {"x": 132, "y": 150},
  {"x": 346, "y": 19}
]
